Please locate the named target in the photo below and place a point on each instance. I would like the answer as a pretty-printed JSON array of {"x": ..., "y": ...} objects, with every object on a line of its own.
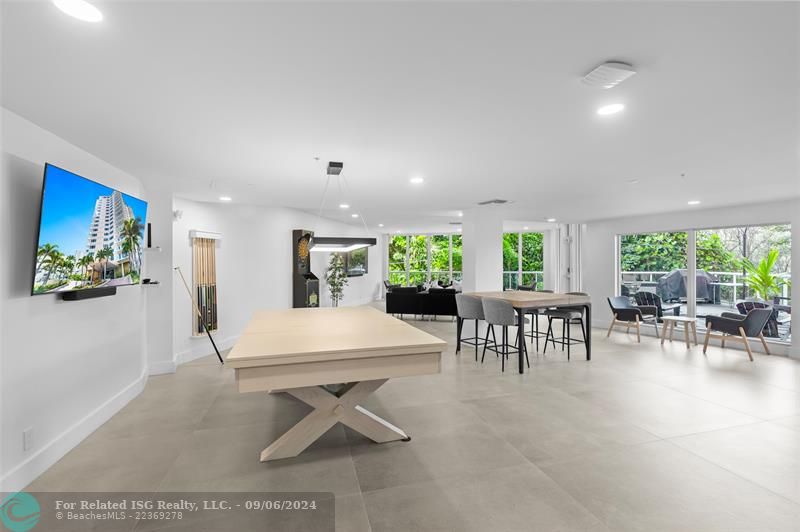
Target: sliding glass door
[{"x": 523, "y": 260}]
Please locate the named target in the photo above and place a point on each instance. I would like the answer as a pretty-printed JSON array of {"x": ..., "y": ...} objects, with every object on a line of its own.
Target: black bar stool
[
  {"x": 534, "y": 333},
  {"x": 569, "y": 317}
]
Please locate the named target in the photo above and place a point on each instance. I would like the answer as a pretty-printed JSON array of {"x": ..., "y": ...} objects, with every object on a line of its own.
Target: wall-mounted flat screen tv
[
  {"x": 90, "y": 235},
  {"x": 357, "y": 262}
]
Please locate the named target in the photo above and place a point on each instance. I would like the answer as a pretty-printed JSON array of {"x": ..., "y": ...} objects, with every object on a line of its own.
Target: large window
[
  {"x": 417, "y": 259},
  {"x": 743, "y": 264},
  {"x": 523, "y": 260},
  {"x": 398, "y": 272},
  {"x": 647, "y": 259},
  {"x": 732, "y": 265}
]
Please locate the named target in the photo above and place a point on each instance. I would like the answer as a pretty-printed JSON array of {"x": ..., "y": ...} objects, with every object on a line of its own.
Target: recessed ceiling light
[
  {"x": 79, "y": 9},
  {"x": 460, "y": 214},
  {"x": 551, "y": 220},
  {"x": 354, "y": 215},
  {"x": 416, "y": 180},
  {"x": 225, "y": 198},
  {"x": 633, "y": 181},
  {"x": 380, "y": 225},
  {"x": 526, "y": 228},
  {"x": 610, "y": 109},
  {"x": 693, "y": 202},
  {"x": 344, "y": 206}
]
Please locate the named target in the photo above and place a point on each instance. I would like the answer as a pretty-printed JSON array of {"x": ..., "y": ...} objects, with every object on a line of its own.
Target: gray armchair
[
  {"x": 733, "y": 326},
  {"x": 631, "y": 316}
]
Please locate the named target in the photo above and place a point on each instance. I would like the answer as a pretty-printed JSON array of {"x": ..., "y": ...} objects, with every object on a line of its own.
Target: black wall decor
[{"x": 305, "y": 285}]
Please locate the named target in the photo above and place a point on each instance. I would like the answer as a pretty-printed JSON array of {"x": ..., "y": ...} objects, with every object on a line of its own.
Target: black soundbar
[{"x": 89, "y": 293}]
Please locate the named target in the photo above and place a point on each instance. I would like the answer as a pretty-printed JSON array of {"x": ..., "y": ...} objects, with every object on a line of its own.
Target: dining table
[{"x": 525, "y": 301}]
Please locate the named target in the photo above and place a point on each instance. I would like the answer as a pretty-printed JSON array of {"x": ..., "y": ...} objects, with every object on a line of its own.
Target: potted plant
[
  {"x": 336, "y": 277},
  {"x": 760, "y": 278}
]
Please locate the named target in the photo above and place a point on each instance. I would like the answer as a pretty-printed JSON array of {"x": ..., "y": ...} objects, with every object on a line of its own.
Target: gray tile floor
[{"x": 644, "y": 438}]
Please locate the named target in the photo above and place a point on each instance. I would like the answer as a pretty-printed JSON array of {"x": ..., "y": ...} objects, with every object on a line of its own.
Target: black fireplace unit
[{"x": 305, "y": 285}]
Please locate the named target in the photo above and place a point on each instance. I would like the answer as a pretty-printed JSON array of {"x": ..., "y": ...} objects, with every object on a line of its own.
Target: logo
[{"x": 19, "y": 512}]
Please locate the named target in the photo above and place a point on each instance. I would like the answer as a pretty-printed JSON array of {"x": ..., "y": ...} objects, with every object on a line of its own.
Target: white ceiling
[{"x": 482, "y": 99}]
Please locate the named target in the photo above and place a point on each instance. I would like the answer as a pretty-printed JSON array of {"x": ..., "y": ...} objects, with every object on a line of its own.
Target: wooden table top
[
  {"x": 530, "y": 299},
  {"x": 294, "y": 336}
]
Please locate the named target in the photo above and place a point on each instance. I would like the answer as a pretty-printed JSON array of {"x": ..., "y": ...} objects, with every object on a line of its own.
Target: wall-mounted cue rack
[{"x": 204, "y": 280}]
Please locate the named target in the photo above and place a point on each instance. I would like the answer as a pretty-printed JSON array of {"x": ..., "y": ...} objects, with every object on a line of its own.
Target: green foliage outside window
[{"x": 665, "y": 252}]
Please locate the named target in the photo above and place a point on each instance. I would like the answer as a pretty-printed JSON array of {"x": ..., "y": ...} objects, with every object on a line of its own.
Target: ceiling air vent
[
  {"x": 493, "y": 202},
  {"x": 455, "y": 223},
  {"x": 609, "y": 75}
]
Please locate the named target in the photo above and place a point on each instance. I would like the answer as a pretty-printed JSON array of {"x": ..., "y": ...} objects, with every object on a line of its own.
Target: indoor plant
[{"x": 336, "y": 277}]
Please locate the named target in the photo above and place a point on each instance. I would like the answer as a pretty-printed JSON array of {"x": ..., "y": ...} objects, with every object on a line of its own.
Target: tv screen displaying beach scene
[{"x": 90, "y": 235}]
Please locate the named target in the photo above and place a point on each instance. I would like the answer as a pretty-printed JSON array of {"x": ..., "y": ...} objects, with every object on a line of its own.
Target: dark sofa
[{"x": 413, "y": 300}]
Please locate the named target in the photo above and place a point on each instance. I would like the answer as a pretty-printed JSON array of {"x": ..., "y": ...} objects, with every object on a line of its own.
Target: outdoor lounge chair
[
  {"x": 733, "y": 326},
  {"x": 631, "y": 316},
  {"x": 771, "y": 328},
  {"x": 650, "y": 299}
]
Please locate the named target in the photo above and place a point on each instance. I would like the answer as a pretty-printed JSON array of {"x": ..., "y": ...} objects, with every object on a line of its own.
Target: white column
[
  {"x": 795, "y": 349},
  {"x": 483, "y": 249},
  {"x": 158, "y": 298},
  {"x": 691, "y": 273}
]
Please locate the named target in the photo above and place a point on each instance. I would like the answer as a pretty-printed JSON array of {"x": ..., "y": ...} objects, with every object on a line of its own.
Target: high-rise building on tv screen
[{"x": 90, "y": 235}]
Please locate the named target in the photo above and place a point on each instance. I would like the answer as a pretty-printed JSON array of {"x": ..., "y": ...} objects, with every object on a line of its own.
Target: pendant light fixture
[{"x": 337, "y": 244}]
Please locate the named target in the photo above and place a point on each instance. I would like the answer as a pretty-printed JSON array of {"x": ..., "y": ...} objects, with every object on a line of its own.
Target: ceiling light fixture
[
  {"x": 610, "y": 109},
  {"x": 341, "y": 244},
  {"x": 551, "y": 220},
  {"x": 354, "y": 215},
  {"x": 79, "y": 9},
  {"x": 693, "y": 202},
  {"x": 416, "y": 180},
  {"x": 633, "y": 181},
  {"x": 225, "y": 198},
  {"x": 344, "y": 206},
  {"x": 525, "y": 228},
  {"x": 460, "y": 214},
  {"x": 380, "y": 225}
]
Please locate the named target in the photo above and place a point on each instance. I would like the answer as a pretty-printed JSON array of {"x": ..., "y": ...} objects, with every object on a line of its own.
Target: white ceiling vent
[{"x": 609, "y": 75}]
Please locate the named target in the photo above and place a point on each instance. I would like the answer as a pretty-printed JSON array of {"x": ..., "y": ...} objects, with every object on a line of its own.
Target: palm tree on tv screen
[
  {"x": 67, "y": 266},
  {"x": 52, "y": 263},
  {"x": 103, "y": 255},
  {"x": 132, "y": 230},
  {"x": 84, "y": 263},
  {"x": 43, "y": 253}
]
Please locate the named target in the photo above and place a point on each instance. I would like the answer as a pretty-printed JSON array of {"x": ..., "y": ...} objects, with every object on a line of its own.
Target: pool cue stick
[{"x": 199, "y": 314}]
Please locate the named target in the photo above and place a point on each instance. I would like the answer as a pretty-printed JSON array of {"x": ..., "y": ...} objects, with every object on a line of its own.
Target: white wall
[
  {"x": 482, "y": 252},
  {"x": 158, "y": 267},
  {"x": 254, "y": 261},
  {"x": 599, "y": 258},
  {"x": 65, "y": 367}
]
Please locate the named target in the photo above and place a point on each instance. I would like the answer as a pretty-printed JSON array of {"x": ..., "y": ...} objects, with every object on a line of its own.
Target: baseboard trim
[
  {"x": 163, "y": 368},
  {"x": 205, "y": 349},
  {"x": 40, "y": 461}
]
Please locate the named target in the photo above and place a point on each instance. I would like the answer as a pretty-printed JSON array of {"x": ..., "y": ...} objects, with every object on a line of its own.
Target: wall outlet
[{"x": 27, "y": 439}]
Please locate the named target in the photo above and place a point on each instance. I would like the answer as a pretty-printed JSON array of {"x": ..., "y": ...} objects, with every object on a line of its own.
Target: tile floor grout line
[{"x": 734, "y": 473}]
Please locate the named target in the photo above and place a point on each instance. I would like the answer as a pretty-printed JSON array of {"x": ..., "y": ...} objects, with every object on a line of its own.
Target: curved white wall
[{"x": 65, "y": 367}]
